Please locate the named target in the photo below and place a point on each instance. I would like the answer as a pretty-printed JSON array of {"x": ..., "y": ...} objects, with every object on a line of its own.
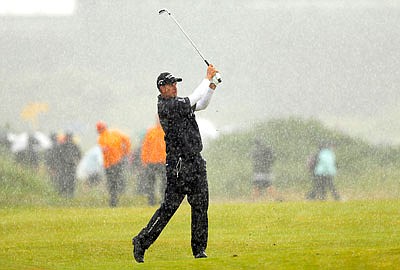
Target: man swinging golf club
[{"x": 185, "y": 168}]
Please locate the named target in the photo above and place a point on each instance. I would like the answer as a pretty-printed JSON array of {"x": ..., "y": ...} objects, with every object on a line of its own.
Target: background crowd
[{"x": 114, "y": 161}]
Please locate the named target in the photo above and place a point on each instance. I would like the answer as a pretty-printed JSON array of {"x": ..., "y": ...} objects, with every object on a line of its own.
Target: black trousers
[
  {"x": 67, "y": 181},
  {"x": 115, "y": 182},
  {"x": 322, "y": 184},
  {"x": 184, "y": 177}
]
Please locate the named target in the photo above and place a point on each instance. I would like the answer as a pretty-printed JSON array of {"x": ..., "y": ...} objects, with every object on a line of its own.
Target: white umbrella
[
  {"x": 19, "y": 142},
  {"x": 43, "y": 140},
  {"x": 91, "y": 163}
]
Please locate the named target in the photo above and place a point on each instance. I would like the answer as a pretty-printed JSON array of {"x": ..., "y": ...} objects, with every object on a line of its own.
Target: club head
[{"x": 162, "y": 11}]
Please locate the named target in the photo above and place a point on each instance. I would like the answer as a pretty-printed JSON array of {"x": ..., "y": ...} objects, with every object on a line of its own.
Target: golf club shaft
[
  {"x": 217, "y": 75},
  {"x": 188, "y": 38}
]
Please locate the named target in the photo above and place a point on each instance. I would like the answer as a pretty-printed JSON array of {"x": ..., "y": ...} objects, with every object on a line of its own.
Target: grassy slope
[
  {"x": 21, "y": 186},
  {"x": 291, "y": 235},
  {"x": 365, "y": 171}
]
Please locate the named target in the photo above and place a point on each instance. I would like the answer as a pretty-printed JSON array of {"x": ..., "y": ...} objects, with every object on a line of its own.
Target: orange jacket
[
  {"x": 153, "y": 147},
  {"x": 115, "y": 145}
]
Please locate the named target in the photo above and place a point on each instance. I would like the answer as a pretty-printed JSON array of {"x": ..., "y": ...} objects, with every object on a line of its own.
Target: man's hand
[
  {"x": 212, "y": 76},
  {"x": 216, "y": 79},
  {"x": 211, "y": 71}
]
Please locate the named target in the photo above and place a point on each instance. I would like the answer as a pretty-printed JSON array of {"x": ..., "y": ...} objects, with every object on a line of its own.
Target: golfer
[{"x": 185, "y": 168}]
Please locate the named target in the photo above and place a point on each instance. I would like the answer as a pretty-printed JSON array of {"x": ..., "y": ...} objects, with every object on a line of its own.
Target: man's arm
[
  {"x": 205, "y": 100},
  {"x": 202, "y": 94},
  {"x": 199, "y": 92},
  {"x": 126, "y": 143}
]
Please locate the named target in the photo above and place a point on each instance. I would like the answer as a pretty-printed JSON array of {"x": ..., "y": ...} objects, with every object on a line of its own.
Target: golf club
[{"x": 162, "y": 11}]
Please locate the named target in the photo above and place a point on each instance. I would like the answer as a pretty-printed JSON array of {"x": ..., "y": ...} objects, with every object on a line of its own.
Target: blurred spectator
[
  {"x": 115, "y": 147},
  {"x": 311, "y": 162},
  {"x": 70, "y": 155},
  {"x": 5, "y": 145},
  {"x": 263, "y": 158},
  {"x": 26, "y": 149},
  {"x": 153, "y": 156},
  {"x": 31, "y": 153},
  {"x": 137, "y": 166},
  {"x": 325, "y": 172},
  {"x": 53, "y": 161}
]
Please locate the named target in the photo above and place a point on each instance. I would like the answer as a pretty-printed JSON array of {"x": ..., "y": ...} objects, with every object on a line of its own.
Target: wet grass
[{"x": 287, "y": 235}]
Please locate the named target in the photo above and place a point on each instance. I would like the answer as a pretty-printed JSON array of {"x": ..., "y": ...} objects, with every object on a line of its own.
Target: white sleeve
[
  {"x": 199, "y": 92},
  {"x": 205, "y": 100}
]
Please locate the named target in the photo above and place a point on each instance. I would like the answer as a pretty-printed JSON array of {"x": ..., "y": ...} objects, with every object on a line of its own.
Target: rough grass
[
  {"x": 288, "y": 235},
  {"x": 22, "y": 186}
]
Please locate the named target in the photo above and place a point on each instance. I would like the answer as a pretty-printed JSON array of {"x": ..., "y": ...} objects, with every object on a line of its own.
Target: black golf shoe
[
  {"x": 201, "y": 254},
  {"x": 138, "y": 250}
]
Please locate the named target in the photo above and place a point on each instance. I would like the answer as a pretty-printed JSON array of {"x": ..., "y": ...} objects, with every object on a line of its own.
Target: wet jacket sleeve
[{"x": 126, "y": 144}]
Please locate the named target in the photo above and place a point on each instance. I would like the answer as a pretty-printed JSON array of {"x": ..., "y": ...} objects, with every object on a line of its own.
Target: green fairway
[{"x": 289, "y": 235}]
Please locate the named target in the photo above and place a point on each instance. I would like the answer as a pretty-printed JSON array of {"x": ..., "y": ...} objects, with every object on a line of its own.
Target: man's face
[{"x": 169, "y": 90}]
